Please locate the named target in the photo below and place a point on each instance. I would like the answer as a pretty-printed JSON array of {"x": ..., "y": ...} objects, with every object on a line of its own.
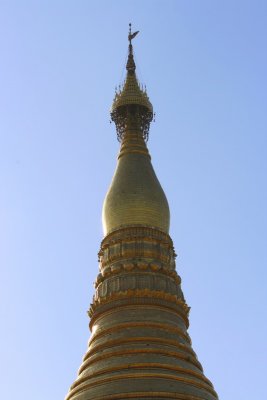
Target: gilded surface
[
  {"x": 152, "y": 395},
  {"x": 137, "y": 293},
  {"x": 139, "y": 347},
  {"x": 135, "y": 378},
  {"x": 135, "y": 196},
  {"x": 131, "y": 93},
  {"x": 131, "y": 105},
  {"x": 144, "y": 325}
]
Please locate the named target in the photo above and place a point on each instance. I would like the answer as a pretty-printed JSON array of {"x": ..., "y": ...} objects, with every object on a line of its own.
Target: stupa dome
[{"x": 135, "y": 196}]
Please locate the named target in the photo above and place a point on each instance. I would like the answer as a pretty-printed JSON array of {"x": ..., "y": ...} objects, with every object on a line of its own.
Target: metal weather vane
[{"x": 131, "y": 35}]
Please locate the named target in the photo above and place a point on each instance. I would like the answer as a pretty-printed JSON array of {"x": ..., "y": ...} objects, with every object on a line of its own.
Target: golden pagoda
[{"x": 139, "y": 346}]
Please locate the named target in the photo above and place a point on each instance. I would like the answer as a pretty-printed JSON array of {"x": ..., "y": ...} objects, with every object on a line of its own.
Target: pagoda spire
[
  {"x": 139, "y": 346},
  {"x": 131, "y": 107},
  {"x": 135, "y": 197}
]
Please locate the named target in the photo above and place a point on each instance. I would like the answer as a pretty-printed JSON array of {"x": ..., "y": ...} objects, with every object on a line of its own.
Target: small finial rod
[{"x": 131, "y": 35}]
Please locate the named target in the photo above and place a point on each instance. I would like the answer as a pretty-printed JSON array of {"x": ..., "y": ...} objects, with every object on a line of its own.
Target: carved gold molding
[
  {"x": 136, "y": 253},
  {"x": 74, "y": 390},
  {"x": 139, "y": 293},
  {"x": 124, "y": 352},
  {"x": 131, "y": 150},
  {"x": 115, "y": 342},
  {"x": 136, "y": 239},
  {"x": 148, "y": 267},
  {"x": 146, "y": 365},
  {"x": 137, "y": 231},
  {"x": 141, "y": 395},
  {"x": 99, "y": 314},
  {"x": 144, "y": 324}
]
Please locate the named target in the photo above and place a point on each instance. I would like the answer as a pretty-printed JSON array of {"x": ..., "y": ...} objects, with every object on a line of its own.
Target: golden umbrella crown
[{"x": 131, "y": 102}]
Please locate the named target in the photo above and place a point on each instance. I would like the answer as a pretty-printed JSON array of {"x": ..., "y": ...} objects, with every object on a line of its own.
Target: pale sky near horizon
[{"x": 204, "y": 64}]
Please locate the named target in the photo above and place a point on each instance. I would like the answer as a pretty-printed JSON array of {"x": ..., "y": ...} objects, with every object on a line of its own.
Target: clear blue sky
[{"x": 204, "y": 64}]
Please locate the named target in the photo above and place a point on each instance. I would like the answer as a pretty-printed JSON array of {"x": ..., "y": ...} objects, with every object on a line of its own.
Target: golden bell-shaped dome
[{"x": 135, "y": 196}]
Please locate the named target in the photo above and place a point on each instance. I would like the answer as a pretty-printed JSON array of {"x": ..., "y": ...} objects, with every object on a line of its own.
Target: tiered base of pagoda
[{"x": 139, "y": 347}]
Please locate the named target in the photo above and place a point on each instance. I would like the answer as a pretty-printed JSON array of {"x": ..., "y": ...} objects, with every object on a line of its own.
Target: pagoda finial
[
  {"x": 131, "y": 106},
  {"x": 131, "y": 35},
  {"x": 130, "y": 62},
  {"x": 130, "y": 32}
]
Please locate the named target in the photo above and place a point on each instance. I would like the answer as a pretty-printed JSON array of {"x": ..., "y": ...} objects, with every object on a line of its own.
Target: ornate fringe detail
[
  {"x": 149, "y": 267},
  {"x": 139, "y": 293}
]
